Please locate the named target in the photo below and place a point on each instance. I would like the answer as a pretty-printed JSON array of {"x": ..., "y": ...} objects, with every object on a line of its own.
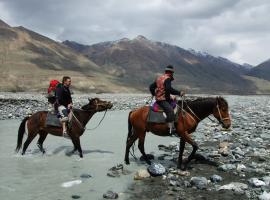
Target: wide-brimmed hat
[{"x": 169, "y": 68}]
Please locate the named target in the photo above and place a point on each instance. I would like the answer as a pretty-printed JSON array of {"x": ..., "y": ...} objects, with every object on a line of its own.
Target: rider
[
  {"x": 64, "y": 102},
  {"x": 162, "y": 91}
]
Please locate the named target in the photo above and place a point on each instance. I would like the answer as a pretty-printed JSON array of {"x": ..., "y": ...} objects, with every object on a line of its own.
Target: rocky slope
[{"x": 136, "y": 62}]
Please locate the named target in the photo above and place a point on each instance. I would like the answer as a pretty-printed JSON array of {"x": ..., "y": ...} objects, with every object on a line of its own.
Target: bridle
[
  {"x": 221, "y": 119},
  {"x": 95, "y": 109}
]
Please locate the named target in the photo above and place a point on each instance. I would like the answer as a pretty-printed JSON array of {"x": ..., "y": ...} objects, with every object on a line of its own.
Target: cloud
[{"x": 235, "y": 29}]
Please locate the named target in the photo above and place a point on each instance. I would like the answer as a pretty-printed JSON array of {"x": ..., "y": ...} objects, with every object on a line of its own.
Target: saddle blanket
[
  {"x": 156, "y": 108},
  {"x": 156, "y": 117},
  {"x": 53, "y": 120}
]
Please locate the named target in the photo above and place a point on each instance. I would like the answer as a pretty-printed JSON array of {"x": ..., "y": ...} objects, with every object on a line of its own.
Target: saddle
[
  {"x": 52, "y": 119},
  {"x": 157, "y": 115}
]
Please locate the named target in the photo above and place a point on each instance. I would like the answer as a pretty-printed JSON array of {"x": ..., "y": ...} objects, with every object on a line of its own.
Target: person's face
[{"x": 67, "y": 82}]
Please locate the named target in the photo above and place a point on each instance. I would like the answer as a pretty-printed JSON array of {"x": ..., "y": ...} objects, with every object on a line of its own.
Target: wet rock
[
  {"x": 226, "y": 167},
  {"x": 234, "y": 186},
  {"x": 75, "y": 197},
  {"x": 110, "y": 195},
  {"x": 266, "y": 179},
  {"x": 255, "y": 182},
  {"x": 199, "y": 182},
  {"x": 85, "y": 176},
  {"x": 179, "y": 172},
  {"x": 141, "y": 174},
  {"x": 156, "y": 169},
  {"x": 117, "y": 171},
  {"x": 241, "y": 168},
  {"x": 265, "y": 196},
  {"x": 215, "y": 178}
]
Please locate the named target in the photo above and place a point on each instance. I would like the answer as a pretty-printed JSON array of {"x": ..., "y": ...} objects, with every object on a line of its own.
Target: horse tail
[
  {"x": 21, "y": 132},
  {"x": 129, "y": 126}
]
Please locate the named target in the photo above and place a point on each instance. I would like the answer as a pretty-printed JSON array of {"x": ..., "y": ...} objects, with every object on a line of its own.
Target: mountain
[
  {"x": 136, "y": 62},
  {"x": 29, "y": 60},
  {"x": 261, "y": 71}
]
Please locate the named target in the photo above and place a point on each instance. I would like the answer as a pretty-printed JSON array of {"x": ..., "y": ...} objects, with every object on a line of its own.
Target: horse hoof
[{"x": 127, "y": 162}]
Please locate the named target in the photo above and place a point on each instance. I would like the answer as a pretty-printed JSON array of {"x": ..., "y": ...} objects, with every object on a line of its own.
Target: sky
[{"x": 234, "y": 29}]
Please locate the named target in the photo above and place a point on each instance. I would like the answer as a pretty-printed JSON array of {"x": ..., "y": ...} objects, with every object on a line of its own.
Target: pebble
[
  {"x": 234, "y": 186},
  {"x": 199, "y": 182},
  {"x": 141, "y": 174},
  {"x": 255, "y": 182},
  {"x": 156, "y": 169},
  {"x": 215, "y": 178},
  {"x": 110, "y": 195}
]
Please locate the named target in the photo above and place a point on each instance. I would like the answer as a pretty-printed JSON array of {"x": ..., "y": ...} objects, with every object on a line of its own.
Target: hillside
[
  {"x": 261, "y": 71},
  {"x": 136, "y": 63},
  {"x": 29, "y": 60}
]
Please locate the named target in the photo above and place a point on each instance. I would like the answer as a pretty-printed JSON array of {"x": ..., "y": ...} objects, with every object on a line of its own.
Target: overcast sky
[{"x": 235, "y": 29}]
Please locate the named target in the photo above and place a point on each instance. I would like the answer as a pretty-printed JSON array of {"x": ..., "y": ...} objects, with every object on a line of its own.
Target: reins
[{"x": 83, "y": 127}]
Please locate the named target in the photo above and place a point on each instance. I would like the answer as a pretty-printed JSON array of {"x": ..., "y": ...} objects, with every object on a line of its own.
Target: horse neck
[
  {"x": 202, "y": 109},
  {"x": 84, "y": 116}
]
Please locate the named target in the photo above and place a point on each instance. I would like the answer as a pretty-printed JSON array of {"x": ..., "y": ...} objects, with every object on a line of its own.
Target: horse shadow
[
  {"x": 68, "y": 151},
  {"x": 169, "y": 161}
]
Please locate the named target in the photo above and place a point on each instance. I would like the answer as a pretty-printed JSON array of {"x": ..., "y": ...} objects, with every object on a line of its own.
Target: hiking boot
[
  {"x": 66, "y": 135},
  {"x": 173, "y": 132}
]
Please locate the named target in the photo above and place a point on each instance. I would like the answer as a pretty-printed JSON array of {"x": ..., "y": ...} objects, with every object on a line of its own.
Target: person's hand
[
  {"x": 173, "y": 97},
  {"x": 70, "y": 106}
]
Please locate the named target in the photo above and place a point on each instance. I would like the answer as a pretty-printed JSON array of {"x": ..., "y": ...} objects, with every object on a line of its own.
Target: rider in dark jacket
[
  {"x": 162, "y": 91},
  {"x": 64, "y": 102}
]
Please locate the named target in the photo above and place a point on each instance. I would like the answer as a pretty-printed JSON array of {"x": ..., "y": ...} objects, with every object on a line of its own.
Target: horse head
[
  {"x": 221, "y": 112},
  {"x": 97, "y": 105}
]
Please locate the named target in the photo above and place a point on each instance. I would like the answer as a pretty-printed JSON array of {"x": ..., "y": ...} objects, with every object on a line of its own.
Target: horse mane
[{"x": 201, "y": 105}]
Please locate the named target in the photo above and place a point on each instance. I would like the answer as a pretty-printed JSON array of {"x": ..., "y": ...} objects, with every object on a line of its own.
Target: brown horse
[
  {"x": 188, "y": 118},
  {"x": 35, "y": 124}
]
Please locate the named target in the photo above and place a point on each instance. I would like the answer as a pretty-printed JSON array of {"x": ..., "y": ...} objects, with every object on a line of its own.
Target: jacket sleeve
[
  {"x": 169, "y": 90},
  {"x": 58, "y": 95},
  {"x": 152, "y": 88}
]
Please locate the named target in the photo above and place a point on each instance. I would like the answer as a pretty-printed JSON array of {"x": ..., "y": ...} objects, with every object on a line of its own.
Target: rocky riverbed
[
  {"x": 18, "y": 105},
  {"x": 230, "y": 164}
]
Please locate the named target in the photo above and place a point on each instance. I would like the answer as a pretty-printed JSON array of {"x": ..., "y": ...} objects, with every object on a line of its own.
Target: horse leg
[
  {"x": 77, "y": 145},
  {"x": 130, "y": 142},
  {"x": 141, "y": 148},
  {"x": 42, "y": 137},
  {"x": 195, "y": 147},
  {"x": 29, "y": 139},
  {"x": 181, "y": 151}
]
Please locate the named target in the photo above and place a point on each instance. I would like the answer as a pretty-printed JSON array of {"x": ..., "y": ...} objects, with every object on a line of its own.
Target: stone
[
  {"x": 141, "y": 174},
  {"x": 75, "y": 196},
  {"x": 266, "y": 179},
  {"x": 110, "y": 195},
  {"x": 85, "y": 176},
  {"x": 156, "y": 169},
  {"x": 241, "y": 168},
  {"x": 234, "y": 186},
  {"x": 264, "y": 196},
  {"x": 226, "y": 167},
  {"x": 255, "y": 182},
  {"x": 215, "y": 178},
  {"x": 199, "y": 182}
]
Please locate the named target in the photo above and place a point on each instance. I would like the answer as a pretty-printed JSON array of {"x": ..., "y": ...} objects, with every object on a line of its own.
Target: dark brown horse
[
  {"x": 35, "y": 124},
  {"x": 188, "y": 118}
]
